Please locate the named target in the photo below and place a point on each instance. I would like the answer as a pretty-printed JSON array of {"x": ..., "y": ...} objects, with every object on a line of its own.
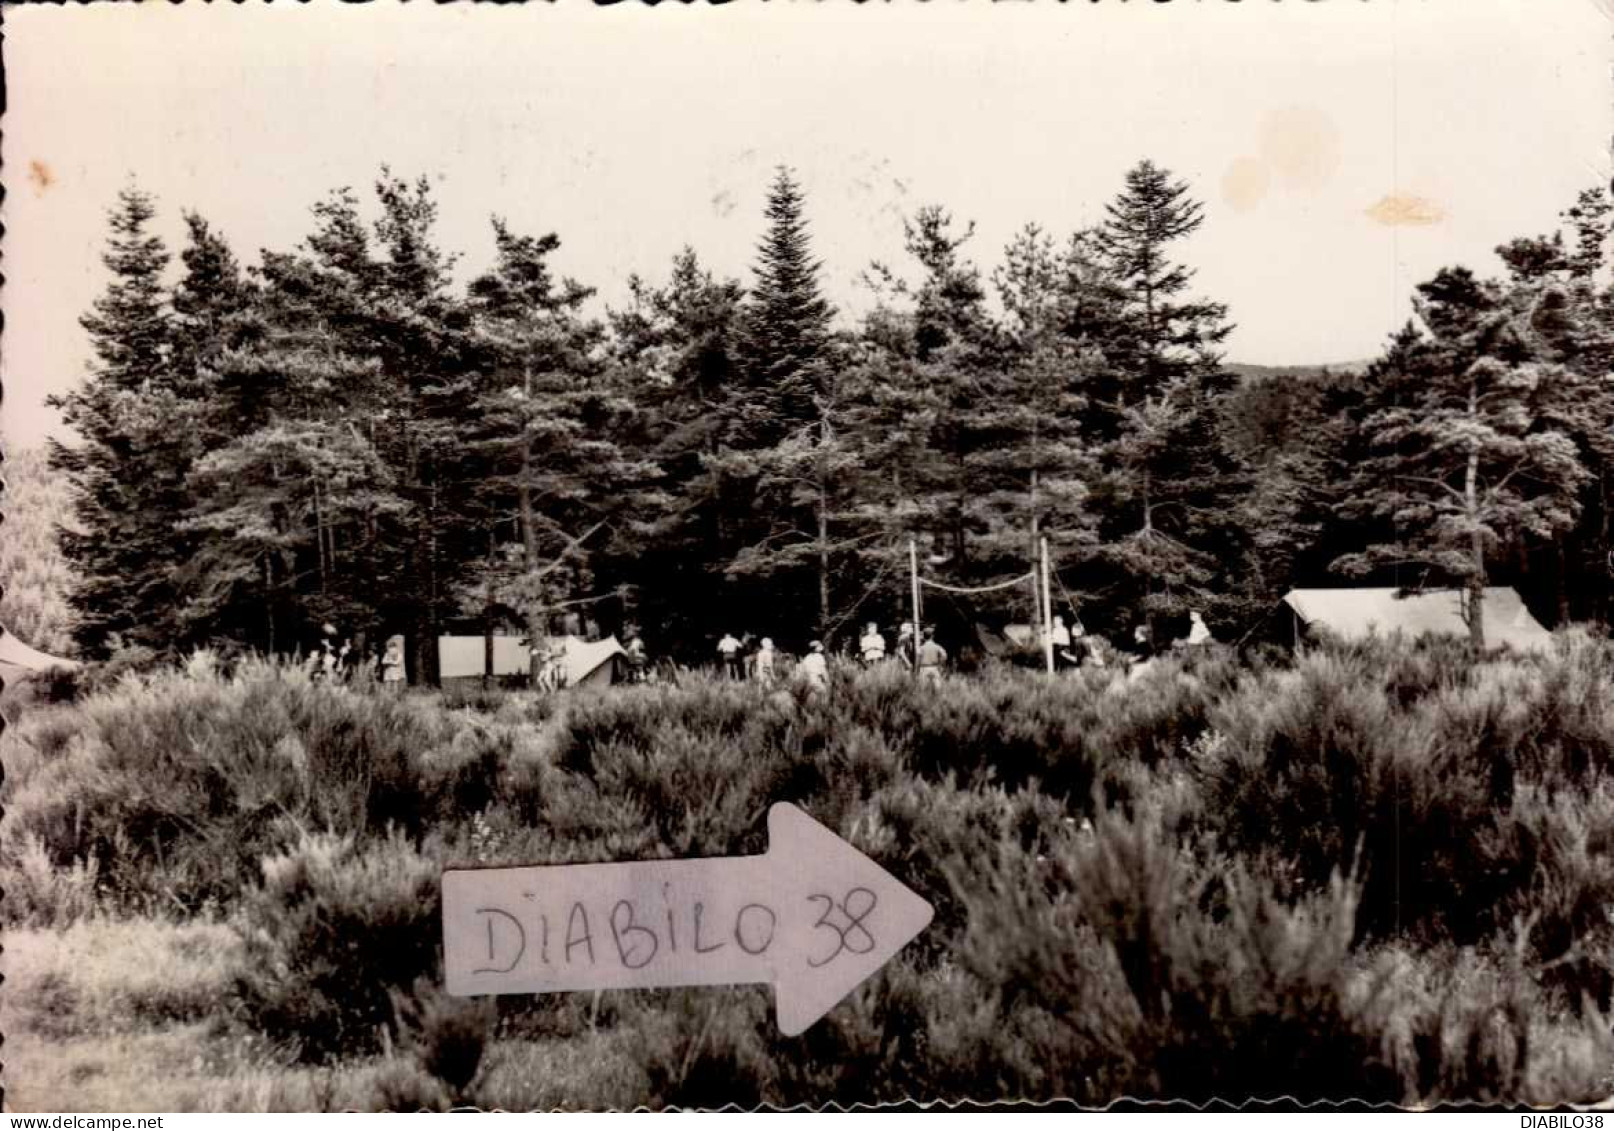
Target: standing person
[
  {"x": 728, "y": 649},
  {"x": 1061, "y": 639},
  {"x": 1142, "y": 648},
  {"x": 814, "y": 668},
  {"x": 1198, "y": 631},
  {"x": 638, "y": 660},
  {"x": 552, "y": 661},
  {"x": 328, "y": 668},
  {"x": 346, "y": 661},
  {"x": 392, "y": 666},
  {"x": 763, "y": 669},
  {"x": 906, "y": 650},
  {"x": 932, "y": 658},
  {"x": 872, "y": 645}
]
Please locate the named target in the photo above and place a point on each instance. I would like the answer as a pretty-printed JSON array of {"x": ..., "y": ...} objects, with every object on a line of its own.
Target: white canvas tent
[
  {"x": 461, "y": 657},
  {"x": 583, "y": 663},
  {"x": 593, "y": 664},
  {"x": 1355, "y": 614},
  {"x": 18, "y": 661}
]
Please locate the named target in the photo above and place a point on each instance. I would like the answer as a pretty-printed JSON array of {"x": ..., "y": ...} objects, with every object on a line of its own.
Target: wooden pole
[
  {"x": 913, "y": 572},
  {"x": 1047, "y": 612}
]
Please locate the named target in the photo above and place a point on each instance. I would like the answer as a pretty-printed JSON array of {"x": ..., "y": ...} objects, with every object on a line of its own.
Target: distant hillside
[
  {"x": 1244, "y": 369},
  {"x": 34, "y": 576}
]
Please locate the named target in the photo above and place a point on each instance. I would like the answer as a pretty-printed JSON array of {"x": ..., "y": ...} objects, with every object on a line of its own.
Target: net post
[
  {"x": 913, "y": 573},
  {"x": 1047, "y": 612}
]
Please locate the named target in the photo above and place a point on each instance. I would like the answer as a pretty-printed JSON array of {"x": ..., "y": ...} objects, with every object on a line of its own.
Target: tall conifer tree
[{"x": 127, "y": 470}]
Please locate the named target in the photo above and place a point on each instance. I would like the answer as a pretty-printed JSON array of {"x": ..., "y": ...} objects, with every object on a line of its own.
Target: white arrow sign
[{"x": 812, "y": 916}]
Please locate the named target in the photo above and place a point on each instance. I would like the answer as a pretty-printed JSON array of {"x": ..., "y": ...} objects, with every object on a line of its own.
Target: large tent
[
  {"x": 583, "y": 663},
  {"x": 19, "y": 661},
  {"x": 1355, "y": 614}
]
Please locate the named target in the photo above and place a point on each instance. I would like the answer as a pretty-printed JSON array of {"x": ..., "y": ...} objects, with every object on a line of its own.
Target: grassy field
[{"x": 1377, "y": 872}]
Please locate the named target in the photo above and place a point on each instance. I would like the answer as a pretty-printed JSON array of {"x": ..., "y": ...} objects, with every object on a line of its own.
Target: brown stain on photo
[
  {"x": 1245, "y": 183},
  {"x": 1403, "y": 210},
  {"x": 1301, "y": 143},
  {"x": 41, "y": 176}
]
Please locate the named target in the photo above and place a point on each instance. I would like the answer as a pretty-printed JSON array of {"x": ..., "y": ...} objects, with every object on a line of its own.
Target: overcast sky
[{"x": 1344, "y": 149}]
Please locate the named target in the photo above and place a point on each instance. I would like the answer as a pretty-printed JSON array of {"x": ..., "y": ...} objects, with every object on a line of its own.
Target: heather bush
[
  {"x": 1372, "y": 871},
  {"x": 39, "y": 894},
  {"x": 174, "y": 785},
  {"x": 328, "y": 938},
  {"x": 1477, "y": 804},
  {"x": 1139, "y": 958},
  {"x": 447, "y": 1035}
]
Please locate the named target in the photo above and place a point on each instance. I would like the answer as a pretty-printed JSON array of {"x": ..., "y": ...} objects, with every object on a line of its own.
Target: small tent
[
  {"x": 18, "y": 661},
  {"x": 590, "y": 664},
  {"x": 1355, "y": 614}
]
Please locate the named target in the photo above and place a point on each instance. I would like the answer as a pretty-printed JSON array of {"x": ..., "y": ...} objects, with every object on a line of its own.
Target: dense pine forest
[{"x": 345, "y": 432}]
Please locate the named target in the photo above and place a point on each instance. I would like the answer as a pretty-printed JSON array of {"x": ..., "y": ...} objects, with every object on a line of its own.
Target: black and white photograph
[{"x": 768, "y": 555}]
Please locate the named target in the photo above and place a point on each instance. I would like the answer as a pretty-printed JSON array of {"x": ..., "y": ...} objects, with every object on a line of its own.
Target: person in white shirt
[
  {"x": 763, "y": 668},
  {"x": 1060, "y": 635},
  {"x": 814, "y": 668},
  {"x": 1198, "y": 631},
  {"x": 392, "y": 665},
  {"x": 872, "y": 646},
  {"x": 729, "y": 649}
]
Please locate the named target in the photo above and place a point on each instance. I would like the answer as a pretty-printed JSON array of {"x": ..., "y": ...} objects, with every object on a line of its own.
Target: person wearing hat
[
  {"x": 872, "y": 646},
  {"x": 814, "y": 668}
]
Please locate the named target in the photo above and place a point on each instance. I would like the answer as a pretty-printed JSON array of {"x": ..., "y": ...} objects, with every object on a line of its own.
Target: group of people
[
  {"x": 919, "y": 651},
  {"x": 330, "y": 662},
  {"x": 915, "y": 651},
  {"x": 1073, "y": 647}
]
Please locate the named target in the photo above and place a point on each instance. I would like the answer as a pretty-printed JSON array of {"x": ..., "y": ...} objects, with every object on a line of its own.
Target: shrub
[
  {"x": 175, "y": 785},
  {"x": 1480, "y": 803},
  {"x": 1138, "y": 958},
  {"x": 704, "y": 1050},
  {"x": 330, "y": 935},
  {"x": 447, "y": 1034},
  {"x": 39, "y": 894}
]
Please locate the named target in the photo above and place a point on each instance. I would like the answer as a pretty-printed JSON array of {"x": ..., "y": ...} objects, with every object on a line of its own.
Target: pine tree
[
  {"x": 1472, "y": 461},
  {"x": 546, "y": 429},
  {"x": 790, "y": 369},
  {"x": 680, "y": 348},
  {"x": 1153, "y": 405},
  {"x": 1162, "y": 334},
  {"x": 128, "y": 467},
  {"x": 788, "y": 332}
]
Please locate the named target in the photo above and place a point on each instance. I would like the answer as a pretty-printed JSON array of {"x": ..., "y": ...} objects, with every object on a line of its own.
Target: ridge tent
[
  {"x": 1357, "y": 614},
  {"x": 591, "y": 664}
]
